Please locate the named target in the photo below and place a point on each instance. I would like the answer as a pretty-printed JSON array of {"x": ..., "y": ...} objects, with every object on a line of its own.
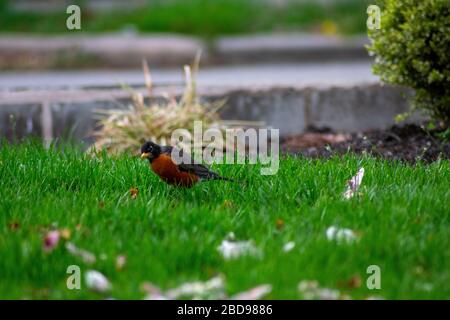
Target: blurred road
[{"x": 311, "y": 74}]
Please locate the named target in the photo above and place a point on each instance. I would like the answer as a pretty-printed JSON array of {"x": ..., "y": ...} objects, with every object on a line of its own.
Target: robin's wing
[
  {"x": 166, "y": 149},
  {"x": 200, "y": 170}
]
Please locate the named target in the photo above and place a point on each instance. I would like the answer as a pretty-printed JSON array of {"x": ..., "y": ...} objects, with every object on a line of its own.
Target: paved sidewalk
[{"x": 307, "y": 74}]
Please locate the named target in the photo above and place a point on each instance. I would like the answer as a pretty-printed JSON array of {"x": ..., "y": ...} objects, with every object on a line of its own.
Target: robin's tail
[
  {"x": 224, "y": 179},
  {"x": 215, "y": 176}
]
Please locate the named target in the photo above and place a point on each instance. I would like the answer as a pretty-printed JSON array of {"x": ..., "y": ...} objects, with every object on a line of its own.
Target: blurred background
[
  {"x": 204, "y": 18},
  {"x": 290, "y": 64},
  {"x": 118, "y": 34}
]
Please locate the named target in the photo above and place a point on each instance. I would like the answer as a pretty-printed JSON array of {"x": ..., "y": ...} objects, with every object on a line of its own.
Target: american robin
[{"x": 183, "y": 175}]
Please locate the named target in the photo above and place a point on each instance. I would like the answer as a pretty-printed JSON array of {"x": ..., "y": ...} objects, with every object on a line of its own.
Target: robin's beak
[{"x": 146, "y": 155}]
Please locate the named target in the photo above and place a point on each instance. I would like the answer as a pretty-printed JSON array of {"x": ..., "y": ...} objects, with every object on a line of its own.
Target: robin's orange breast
[{"x": 168, "y": 171}]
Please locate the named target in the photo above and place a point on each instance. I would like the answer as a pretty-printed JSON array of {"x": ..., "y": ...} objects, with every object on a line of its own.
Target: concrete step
[
  {"x": 126, "y": 50},
  {"x": 344, "y": 97},
  {"x": 56, "y": 113}
]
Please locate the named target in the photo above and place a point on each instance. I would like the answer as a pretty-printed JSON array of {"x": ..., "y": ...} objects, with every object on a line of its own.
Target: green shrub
[{"x": 412, "y": 48}]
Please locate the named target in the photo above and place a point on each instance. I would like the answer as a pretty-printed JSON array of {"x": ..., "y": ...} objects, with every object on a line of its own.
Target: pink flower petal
[{"x": 51, "y": 240}]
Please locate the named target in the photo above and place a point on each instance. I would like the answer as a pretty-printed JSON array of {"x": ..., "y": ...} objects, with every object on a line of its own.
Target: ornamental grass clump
[{"x": 125, "y": 130}]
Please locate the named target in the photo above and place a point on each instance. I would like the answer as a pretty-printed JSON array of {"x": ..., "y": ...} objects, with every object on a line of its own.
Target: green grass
[
  {"x": 203, "y": 18},
  {"x": 170, "y": 236}
]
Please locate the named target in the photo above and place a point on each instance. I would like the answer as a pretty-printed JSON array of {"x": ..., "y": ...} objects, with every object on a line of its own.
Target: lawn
[
  {"x": 203, "y": 18},
  {"x": 170, "y": 236}
]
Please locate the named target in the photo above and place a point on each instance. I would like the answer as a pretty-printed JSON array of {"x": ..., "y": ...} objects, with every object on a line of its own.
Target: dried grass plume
[{"x": 124, "y": 130}]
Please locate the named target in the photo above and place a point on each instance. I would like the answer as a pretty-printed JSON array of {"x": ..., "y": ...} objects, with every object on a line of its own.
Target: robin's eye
[{"x": 150, "y": 149}]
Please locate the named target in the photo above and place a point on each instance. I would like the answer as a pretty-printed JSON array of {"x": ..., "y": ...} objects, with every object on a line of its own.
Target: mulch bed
[{"x": 409, "y": 143}]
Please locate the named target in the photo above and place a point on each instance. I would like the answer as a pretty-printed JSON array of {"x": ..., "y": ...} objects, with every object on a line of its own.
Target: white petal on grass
[
  {"x": 155, "y": 296},
  {"x": 86, "y": 256},
  {"x": 230, "y": 237},
  {"x": 232, "y": 249},
  {"x": 353, "y": 184},
  {"x": 211, "y": 289},
  {"x": 236, "y": 249},
  {"x": 289, "y": 246},
  {"x": 310, "y": 290},
  {"x": 256, "y": 293},
  {"x": 153, "y": 292},
  {"x": 340, "y": 235},
  {"x": 96, "y": 281}
]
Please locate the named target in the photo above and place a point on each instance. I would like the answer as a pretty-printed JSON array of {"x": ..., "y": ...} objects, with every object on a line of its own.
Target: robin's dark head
[{"x": 150, "y": 151}]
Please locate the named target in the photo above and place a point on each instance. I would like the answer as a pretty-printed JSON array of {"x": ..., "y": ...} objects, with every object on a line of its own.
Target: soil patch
[{"x": 409, "y": 143}]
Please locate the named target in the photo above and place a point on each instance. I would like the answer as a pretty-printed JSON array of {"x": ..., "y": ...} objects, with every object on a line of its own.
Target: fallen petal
[
  {"x": 51, "y": 240},
  {"x": 153, "y": 292},
  {"x": 334, "y": 233},
  {"x": 235, "y": 249},
  {"x": 310, "y": 290},
  {"x": 327, "y": 294},
  {"x": 353, "y": 184},
  {"x": 212, "y": 289},
  {"x": 96, "y": 281},
  {"x": 306, "y": 285},
  {"x": 86, "y": 256},
  {"x": 289, "y": 246},
  {"x": 231, "y": 249},
  {"x": 256, "y": 293},
  {"x": 155, "y": 296}
]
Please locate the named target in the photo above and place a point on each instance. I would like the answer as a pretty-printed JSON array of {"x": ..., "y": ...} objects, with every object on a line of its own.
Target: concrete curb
[
  {"x": 98, "y": 51},
  {"x": 167, "y": 50},
  {"x": 288, "y": 47},
  {"x": 292, "y": 110}
]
